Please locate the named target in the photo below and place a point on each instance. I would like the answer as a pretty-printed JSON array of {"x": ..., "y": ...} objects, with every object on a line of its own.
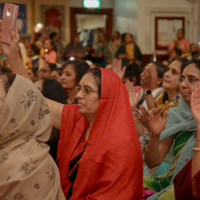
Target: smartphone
[
  {"x": 38, "y": 27},
  {"x": 9, "y": 19}
]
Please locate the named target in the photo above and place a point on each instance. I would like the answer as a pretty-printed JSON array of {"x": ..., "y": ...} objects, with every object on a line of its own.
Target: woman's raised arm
[
  {"x": 56, "y": 112},
  {"x": 12, "y": 53},
  {"x": 195, "y": 109},
  {"x": 156, "y": 150}
]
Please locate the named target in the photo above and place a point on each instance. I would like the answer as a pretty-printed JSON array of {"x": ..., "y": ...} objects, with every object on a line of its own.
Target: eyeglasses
[
  {"x": 85, "y": 90},
  {"x": 189, "y": 80}
]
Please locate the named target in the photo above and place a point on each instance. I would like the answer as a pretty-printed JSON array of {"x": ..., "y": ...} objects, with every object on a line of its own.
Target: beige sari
[{"x": 27, "y": 171}]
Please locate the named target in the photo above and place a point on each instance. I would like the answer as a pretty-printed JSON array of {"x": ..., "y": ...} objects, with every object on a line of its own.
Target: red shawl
[{"x": 111, "y": 166}]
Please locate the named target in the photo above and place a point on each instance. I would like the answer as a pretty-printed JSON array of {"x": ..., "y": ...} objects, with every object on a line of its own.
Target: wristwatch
[{"x": 147, "y": 92}]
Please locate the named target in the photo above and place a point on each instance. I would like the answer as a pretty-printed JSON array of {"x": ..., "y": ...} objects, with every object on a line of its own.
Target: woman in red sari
[{"x": 99, "y": 154}]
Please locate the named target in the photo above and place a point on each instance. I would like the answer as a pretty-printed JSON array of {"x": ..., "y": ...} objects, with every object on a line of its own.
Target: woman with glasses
[
  {"x": 99, "y": 154},
  {"x": 186, "y": 182},
  {"x": 176, "y": 128}
]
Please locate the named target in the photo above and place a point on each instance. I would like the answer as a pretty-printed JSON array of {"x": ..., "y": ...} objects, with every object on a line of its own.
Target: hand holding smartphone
[{"x": 8, "y": 22}]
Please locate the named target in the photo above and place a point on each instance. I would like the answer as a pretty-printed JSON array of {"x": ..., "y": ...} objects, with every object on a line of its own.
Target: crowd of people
[{"x": 84, "y": 123}]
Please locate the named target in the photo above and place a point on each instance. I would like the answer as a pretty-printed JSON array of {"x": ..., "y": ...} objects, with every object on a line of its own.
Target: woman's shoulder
[
  {"x": 186, "y": 42},
  {"x": 70, "y": 115},
  {"x": 70, "y": 111}
]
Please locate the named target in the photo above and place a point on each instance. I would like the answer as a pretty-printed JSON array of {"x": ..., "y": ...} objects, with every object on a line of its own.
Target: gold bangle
[
  {"x": 198, "y": 149},
  {"x": 151, "y": 151},
  {"x": 197, "y": 139},
  {"x": 22, "y": 71},
  {"x": 136, "y": 120}
]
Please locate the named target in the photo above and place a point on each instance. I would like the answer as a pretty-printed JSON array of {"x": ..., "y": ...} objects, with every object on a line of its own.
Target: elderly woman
[
  {"x": 99, "y": 154},
  {"x": 186, "y": 182}
]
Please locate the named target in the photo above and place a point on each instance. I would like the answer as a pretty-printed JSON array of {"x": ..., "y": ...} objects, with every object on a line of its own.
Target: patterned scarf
[{"x": 28, "y": 172}]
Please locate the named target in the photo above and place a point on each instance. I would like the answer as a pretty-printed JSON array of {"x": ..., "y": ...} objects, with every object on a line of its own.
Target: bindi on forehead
[
  {"x": 83, "y": 83},
  {"x": 169, "y": 68},
  {"x": 186, "y": 73}
]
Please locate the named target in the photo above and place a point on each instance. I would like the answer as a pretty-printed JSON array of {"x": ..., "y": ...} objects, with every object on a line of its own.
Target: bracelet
[
  {"x": 22, "y": 71},
  {"x": 136, "y": 120},
  {"x": 151, "y": 151},
  {"x": 197, "y": 139},
  {"x": 198, "y": 149}
]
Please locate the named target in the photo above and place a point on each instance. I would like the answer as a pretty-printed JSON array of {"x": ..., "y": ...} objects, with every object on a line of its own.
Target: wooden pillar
[{"x": 33, "y": 13}]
